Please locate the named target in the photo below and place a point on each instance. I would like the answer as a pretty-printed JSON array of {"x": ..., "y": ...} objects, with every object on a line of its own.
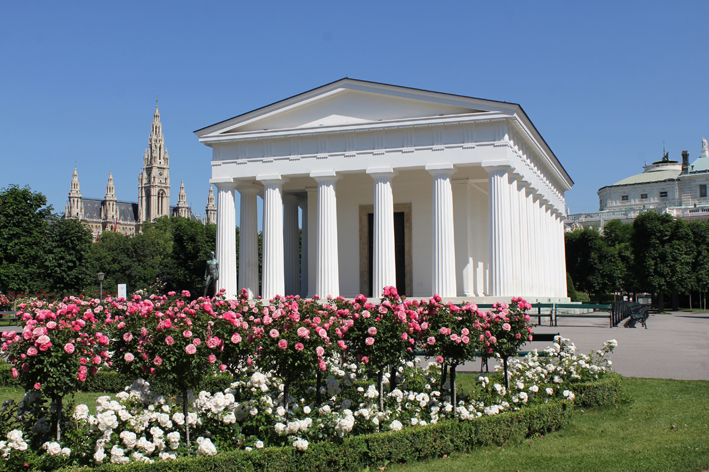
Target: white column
[
  {"x": 500, "y": 230},
  {"x": 546, "y": 261},
  {"x": 515, "y": 231},
  {"x": 327, "y": 276},
  {"x": 443, "y": 276},
  {"x": 384, "y": 261},
  {"x": 248, "y": 240},
  {"x": 291, "y": 246},
  {"x": 532, "y": 244},
  {"x": 226, "y": 238},
  {"x": 524, "y": 240},
  {"x": 303, "y": 204},
  {"x": 312, "y": 242},
  {"x": 272, "y": 278},
  {"x": 562, "y": 251}
]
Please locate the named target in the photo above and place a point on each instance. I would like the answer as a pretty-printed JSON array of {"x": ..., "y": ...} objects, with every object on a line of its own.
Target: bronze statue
[{"x": 211, "y": 274}]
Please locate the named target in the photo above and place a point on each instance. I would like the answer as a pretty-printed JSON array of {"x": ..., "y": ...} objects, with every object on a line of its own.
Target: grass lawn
[
  {"x": 88, "y": 398},
  {"x": 662, "y": 426}
]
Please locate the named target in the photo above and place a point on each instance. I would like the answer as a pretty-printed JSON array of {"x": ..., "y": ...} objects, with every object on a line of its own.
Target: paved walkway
[{"x": 675, "y": 346}]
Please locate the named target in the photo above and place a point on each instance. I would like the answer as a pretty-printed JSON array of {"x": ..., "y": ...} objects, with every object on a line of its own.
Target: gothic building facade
[{"x": 110, "y": 214}]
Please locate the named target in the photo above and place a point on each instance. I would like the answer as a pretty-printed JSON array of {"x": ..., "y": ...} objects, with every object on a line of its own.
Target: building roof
[
  {"x": 648, "y": 177},
  {"x": 700, "y": 165},
  {"x": 127, "y": 211}
]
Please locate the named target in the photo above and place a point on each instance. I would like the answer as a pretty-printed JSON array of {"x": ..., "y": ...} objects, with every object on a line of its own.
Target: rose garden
[{"x": 298, "y": 377}]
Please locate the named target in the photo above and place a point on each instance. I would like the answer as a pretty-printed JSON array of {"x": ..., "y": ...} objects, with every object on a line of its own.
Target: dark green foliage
[
  {"x": 23, "y": 228},
  {"x": 66, "y": 259},
  {"x": 605, "y": 392}
]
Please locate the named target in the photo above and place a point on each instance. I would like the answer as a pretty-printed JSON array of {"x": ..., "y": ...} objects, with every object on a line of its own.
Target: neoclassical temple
[{"x": 429, "y": 192}]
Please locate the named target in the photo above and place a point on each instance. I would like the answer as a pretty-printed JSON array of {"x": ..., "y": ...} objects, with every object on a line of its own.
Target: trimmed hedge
[
  {"x": 604, "y": 392},
  {"x": 375, "y": 450}
]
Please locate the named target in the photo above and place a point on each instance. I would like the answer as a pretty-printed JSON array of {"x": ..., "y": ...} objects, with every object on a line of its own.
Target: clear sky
[{"x": 605, "y": 82}]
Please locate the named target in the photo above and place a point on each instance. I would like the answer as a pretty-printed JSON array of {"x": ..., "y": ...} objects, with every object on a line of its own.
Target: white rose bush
[{"x": 305, "y": 372}]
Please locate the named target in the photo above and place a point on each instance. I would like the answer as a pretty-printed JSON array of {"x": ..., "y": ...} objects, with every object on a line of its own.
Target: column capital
[
  {"x": 381, "y": 172},
  {"x": 247, "y": 187},
  {"x": 441, "y": 168},
  {"x": 271, "y": 179},
  {"x": 324, "y": 175},
  {"x": 224, "y": 183},
  {"x": 498, "y": 165}
]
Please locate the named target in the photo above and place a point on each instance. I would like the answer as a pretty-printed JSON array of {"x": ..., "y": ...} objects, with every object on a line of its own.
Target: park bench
[
  {"x": 8, "y": 318},
  {"x": 638, "y": 313}
]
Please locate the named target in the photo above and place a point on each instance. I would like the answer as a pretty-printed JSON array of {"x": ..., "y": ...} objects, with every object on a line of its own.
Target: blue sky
[{"x": 605, "y": 82}]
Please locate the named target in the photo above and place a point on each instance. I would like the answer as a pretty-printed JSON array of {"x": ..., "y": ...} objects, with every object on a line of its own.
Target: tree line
[
  {"x": 656, "y": 254},
  {"x": 41, "y": 252}
]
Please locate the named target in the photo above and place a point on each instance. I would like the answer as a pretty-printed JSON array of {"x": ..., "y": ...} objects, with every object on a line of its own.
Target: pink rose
[
  {"x": 439, "y": 359},
  {"x": 303, "y": 332},
  {"x": 299, "y": 346},
  {"x": 196, "y": 341},
  {"x": 187, "y": 333},
  {"x": 222, "y": 367},
  {"x": 466, "y": 339},
  {"x": 404, "y": 336},
  {"x": 81, "y": 376},
  {"x": 69, "y": 348},
  {"x": 190, "y": 349},
  {"x": 493, "y": 339},
  {"x": 25, "y": 368},
  {"x": 157, "y": 361},
  {"x": 128, "y": 337},
  {"x": 518, "y": 336},
  {"x": 274, "y": 333},
  {"x": 32, "y": 351},
  {"x": 506, "y": 327},
  {"x": 15, "y": 373},
  {"x": 372, "y": 331},
  {"x": 319, "y": 351},
  {"x": 283, "y": 344},
  {"x": 369, "y": 341},
  {"x": 169, "y": 341},
  {"x": 37, "y": 386},
  {"x": 431, "y": 340},
  {"x": 128, "y": 357},
  {"x": 365, "y": 359},
  {"x": 342, "y": 344},
  {"x": 235, "y": 338},
  {"x": 322, "y": 365},
  {"x": 212, "y": 342},
  {"x": 212, "y": 358},
  {"x": 45, "y": 347},
  {"x": 97, "y": 360}
]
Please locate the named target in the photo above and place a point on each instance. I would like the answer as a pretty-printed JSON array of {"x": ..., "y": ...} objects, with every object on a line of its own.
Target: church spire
[
  {"x": 182, "y": 208},
  {"x": 211, "y": 208},
  {"x": 73, "y": 208}
]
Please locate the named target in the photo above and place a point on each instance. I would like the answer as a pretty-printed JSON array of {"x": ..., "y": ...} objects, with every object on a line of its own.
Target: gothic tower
[
  {"x": 109, "y": 206},
  {"x": 74, "y": 209},
  {"x": 154, "y": 179},
  {"x": 211, "y": 209},
  {"x": 182, "y": 208}
]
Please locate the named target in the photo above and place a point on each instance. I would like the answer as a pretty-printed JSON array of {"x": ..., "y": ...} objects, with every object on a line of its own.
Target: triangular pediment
[{"x": 352, "y": 102}]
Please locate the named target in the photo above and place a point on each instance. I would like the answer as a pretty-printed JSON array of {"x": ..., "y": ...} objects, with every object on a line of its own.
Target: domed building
[{"x": 677, "y": 188}]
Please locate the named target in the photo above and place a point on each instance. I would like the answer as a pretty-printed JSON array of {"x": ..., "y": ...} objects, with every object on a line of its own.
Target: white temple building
[{"x": 430, "y": 192}]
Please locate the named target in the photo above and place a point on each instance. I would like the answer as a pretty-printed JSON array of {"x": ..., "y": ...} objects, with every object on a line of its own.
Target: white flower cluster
[{"x": 14, "y": 441}]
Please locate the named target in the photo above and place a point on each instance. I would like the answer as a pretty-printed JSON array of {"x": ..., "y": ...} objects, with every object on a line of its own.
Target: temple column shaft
[
  {"x": 500, "y": 231},
  {"x": 303, "y": 204},
  {"x": 384, "y": 260},
  {"x": 327, "y": 277},
  {"x": 443, "y": 267},
  {"x": 248, "y": 240},
  {"x": 226, "y": 238},
  {"x": 273, "y": 279}
]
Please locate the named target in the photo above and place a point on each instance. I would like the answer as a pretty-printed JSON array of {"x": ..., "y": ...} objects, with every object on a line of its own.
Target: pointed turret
[
  {"x": 73, "y": 208},
  {"x": 154, "y": 187},
  {"x": 182, "y": 208},
  {"x": 109, "y": 208},
  {"x": 211, "y": 208}
]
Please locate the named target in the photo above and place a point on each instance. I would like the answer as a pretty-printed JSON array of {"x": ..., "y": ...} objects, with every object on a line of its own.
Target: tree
[
  {"x": 111, "y": 254},
  {"x": 617, "y": 236},
  {"x": 67, "y": 266},
  {"x": 592, "y": 266},
  {"x": 23, "y": 226},
  {"x": 700, "y": 265}
]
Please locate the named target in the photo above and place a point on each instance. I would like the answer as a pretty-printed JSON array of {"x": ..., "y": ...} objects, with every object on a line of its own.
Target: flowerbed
[{"x": 308, "y": 373}]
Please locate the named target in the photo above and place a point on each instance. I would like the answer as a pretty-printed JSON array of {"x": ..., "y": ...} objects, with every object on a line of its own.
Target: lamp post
[{"x": 99, "y": 276}]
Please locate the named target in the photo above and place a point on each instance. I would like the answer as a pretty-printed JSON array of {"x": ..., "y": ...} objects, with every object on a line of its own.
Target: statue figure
[
  {"x": 211, "y": 273},
  {"x": 705, "y": 148}
]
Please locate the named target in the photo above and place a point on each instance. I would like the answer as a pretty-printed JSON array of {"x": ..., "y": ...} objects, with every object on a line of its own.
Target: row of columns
[{"x": 526, "y": 237}]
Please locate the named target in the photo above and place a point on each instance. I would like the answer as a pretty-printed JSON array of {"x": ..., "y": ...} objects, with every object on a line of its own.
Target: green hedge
[
  {"x": 375, "y": 450},
  {"x": 604, "y": 392}
]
